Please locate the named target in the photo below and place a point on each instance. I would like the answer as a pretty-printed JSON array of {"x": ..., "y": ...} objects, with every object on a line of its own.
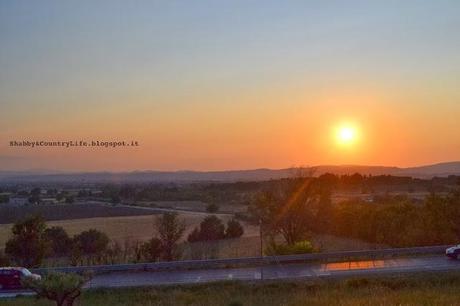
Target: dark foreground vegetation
[
  {"x": 294, "y": 208},
  {"x": 418, "y": 289}
]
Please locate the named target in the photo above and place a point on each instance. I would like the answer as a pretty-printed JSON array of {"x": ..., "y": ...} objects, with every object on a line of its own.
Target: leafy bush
[
  {"x": 211, "y": 228},
  {"x": 151, "y": 250},
  {"x": 59, "y": 241},
  {"x": 4, "y": 260},
  {"x": 301, "y": 247},
  {"x": 212, "y": 208},
  {"x": 234, "y": 229},
  {"x": 62, "y": 288},
  {"x": 92, "y": 241}
]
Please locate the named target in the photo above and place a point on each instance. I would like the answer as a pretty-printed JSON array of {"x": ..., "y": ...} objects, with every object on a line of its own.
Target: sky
[{"x": 215, "y": 85}]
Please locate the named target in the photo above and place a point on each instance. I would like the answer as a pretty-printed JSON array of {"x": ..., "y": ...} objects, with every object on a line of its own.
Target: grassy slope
[{"x": 423, "y": 289}]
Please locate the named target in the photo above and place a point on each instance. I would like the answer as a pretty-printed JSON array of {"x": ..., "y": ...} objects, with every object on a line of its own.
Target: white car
[{"x": 453, "y": 252}]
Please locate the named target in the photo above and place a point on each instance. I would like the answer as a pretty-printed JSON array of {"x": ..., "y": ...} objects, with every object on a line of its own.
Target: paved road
[
  {"x": 191, "y": 212},
  {"x": 273, "y": 272}
]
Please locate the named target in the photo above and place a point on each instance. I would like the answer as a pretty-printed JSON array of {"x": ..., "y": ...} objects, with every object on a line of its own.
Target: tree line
[
  {"x": 296, "y": 207},
  {"x": 32, "y": 242}
]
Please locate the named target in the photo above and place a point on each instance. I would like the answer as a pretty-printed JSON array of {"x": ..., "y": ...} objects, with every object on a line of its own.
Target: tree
[
  {"x": 234, "y": 229},
  {"x": 34, "y": 199},
  {"x": 4, "y": 198},
  {"x": 325, "y": 212},
  {"x": 4, "y": 260},
  {"x": 170, "y": 229},
  {"x": 328, "y": 180},
  {"x": 60, "y": 196},
  {"x": 59, "y": 240},
  {"x": 127, "y": 192},
  {"x": 287, "y": 208},
  {"x": 151, "y": 250},
  {"x": 51, "y": 192},
  {"x": 212, "y": 208},
  {"x": 28, "y": 245},
  {"x": 194, "y": 235},
  {"x": 35, "y": 191},
  {"x": 211, "y": 228},
  {"x": 62, "y": 288},
  {"x": 115, "y": 199},
  {"x": 91, "y": 242},
  {"x": 69, "y": 200}
]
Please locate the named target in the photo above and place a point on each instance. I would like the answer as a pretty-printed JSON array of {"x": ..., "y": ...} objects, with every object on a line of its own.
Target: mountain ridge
[{"x": 425, "y": 171}]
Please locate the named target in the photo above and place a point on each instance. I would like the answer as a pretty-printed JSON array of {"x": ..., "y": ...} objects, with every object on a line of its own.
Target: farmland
[
  {"x": 10, "y": 214},
  {"x": 140, "y": 228},
  {"x": 120, "y": 228}
]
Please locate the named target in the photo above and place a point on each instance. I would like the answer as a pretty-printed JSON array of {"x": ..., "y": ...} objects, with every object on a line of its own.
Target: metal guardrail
[{"x": 247, "y": 261}]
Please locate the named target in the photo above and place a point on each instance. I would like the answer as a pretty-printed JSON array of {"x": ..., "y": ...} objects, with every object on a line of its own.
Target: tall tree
[
  {"x": 325, "y": 211},
  {"x": 151, "y": 250},
  {"x": 234, "y": 229},
  {"x": 287, "y": 208},
  {"x": 28, "y": 245},
  {"x": 170, "y": 230},
  {"x": 91, "y": 242},
  {"x": 59, "y": 240}
]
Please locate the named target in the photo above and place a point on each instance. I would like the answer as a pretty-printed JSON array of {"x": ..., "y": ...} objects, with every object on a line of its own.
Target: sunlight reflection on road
[{"x": 352, "y": 265}]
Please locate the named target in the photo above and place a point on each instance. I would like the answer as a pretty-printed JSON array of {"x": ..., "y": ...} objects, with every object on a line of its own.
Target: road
[
  {"x": 177, "y": 210},
  {"x": 272, "y": 272},
  {"x": 277, "y": 272}
]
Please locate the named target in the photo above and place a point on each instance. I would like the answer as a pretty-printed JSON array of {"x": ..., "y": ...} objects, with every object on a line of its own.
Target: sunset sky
[{"x": 215, "y": 85}]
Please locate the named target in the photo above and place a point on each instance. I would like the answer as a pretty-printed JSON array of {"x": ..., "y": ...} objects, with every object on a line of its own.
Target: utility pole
[{"x": 261, "y": 250}]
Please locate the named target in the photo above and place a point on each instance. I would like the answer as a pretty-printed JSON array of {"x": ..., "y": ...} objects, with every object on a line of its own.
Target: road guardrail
[{"x": 247, "y": 261}]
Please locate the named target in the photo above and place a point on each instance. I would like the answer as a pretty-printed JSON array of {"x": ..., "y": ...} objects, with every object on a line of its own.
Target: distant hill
[
  {"x": 428, "y": 171},
  {"x": 441, "y": 169}
]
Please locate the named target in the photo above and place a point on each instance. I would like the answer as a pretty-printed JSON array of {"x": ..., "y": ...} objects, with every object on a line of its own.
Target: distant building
[
  {"x": 18, "y": 200},
  {"x": 46, "y": 201}
]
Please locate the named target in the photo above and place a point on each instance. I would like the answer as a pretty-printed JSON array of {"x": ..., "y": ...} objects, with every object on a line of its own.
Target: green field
[{"x": 422, "y": 289}]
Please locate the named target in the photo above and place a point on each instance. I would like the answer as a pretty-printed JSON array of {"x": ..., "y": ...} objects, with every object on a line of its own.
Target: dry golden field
[{"x": 122, "y": 228}]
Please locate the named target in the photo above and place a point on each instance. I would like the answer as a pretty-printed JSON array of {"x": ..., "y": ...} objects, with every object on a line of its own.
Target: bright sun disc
[{"x": 346, "y": 134}]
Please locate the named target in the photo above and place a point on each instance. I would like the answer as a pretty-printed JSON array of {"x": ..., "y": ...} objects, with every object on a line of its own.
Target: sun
[{"x": 346, "y": 134}]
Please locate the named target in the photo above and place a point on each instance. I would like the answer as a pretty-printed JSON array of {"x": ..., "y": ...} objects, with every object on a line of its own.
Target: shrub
[
  {"x": 212, "y": 208},
  {"x": 194, "y": 235},
  {"x": 4, "y": 260},
  {"x": 151, "y": 250},
  {"x": 91, "y": 243},
  {"x": 301, "y": 247},
  {"x": 211, "y": 228},
  {"x": 62, "y": 288},
  {"x": 234, "y": 229},
  {"x": 59, "y": 240}
]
